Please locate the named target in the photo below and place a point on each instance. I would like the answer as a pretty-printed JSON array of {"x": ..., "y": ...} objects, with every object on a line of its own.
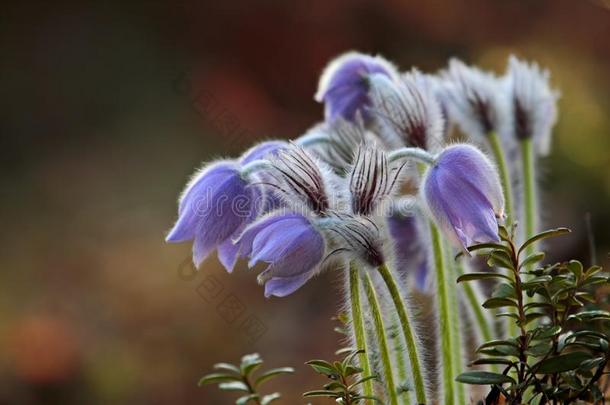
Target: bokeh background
[{"x": 100, "y": 130}]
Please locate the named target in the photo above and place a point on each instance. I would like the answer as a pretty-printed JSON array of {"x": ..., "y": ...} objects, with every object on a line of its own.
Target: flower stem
[
  {"x": 456, "y": 332},
  {"x": 529, "y": 198},
  {"x": 358, "y": 327},
  {"x": 382, "y": 339},
  {"x": 496, "y": 148},
  {"x": 444, "y": 309},
  {"x": 474, "y": 302},
  {"x": 418, "y": 154},
  {"x": 408, "y": 333}
]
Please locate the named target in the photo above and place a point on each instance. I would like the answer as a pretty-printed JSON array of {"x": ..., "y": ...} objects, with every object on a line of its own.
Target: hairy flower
[
  {"x": 218, "y": 203},
  {"x": 474, "y": 99},
  {"x": 407, "y": 110},
  {"x": 214, "y": 205},
  {"x": 463, "y": 194},
  {"x": 292, "y": 247},
  {"x": 533, "y": 103},
  {"x": 343, "y": 87},
  {"x": 372, "y": 180},
  {"x": 301, "y": 180},
  {"x": 360, "y": 237}
]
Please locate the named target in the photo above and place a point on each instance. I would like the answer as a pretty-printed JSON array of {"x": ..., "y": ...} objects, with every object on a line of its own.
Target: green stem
[
  {"x": 381, "y": 339},
  {"x": 401, "y": 363},
  {"x": 444, "y": 309},
  {"x": 408, "y": 333},
  {"x": 474, "y": 302},
  {"x": 358, "y": 328},
  {"x": 456, "y": 332},
  {"x": 496, "y": 148},
  {"x": 498, "y": 152}
]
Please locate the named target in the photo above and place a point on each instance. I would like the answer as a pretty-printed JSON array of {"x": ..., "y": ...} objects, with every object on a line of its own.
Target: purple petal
[
  {"x": 262, "y": 151},
  {"x": 228, "y": 253},
  {"x": 283, "y": 286}
]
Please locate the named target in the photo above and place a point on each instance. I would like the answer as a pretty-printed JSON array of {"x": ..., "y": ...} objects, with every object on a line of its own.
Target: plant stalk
[
  {"x": 407, "y": 331},
  {"x": 358, "y": 327},
  {"x": 382, "y": 339}
]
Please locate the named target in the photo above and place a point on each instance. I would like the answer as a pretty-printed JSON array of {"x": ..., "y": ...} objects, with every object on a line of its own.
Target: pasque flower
[
  {"x": 410, "y": 249},
  {"x": 216, "y": 205},
  {"x": 533, "y": 103},
  {"x": 292, "y": 247},
  {"x": 343, "y": 87},
  {"x": 463, "y": 194}
]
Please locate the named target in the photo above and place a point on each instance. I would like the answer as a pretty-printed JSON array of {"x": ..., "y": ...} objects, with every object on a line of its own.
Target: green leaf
[
  {"x": 592, "y": 315},
  {"x": 544, "y": 235},
  {"x": 234, "y": 386},
  {"x": 272, "y": 373},
  {"x": 249, "y": 363},
  {"x": 246, "y": 398},
  {"x": 534, "y": 258},
  {"x": 350, "y": 357},
  {"x": 575, "y": 267},
  {"x": 561, "y": 363},
  {"x": 227, "y": 367},
  {"x": 267, "y": 399},
  {"x": 483, "y": 378},
  {"x": 495, "y": 246},
  {"x": 491, "y": 360},
  {"x": 546, "y": 333},
  {"x": 504, "y": 290},
  {"x": 217, "y": 378},
  {"x": 536, "y": 282},
  {"x": 322, "y": 393},
  {"x": 500, "y": 259},
  {"x": 540, "y": 349},
  {"x": 361, "y": 381},
  {"x": 494, "y": 343},
  {"x": 591, "y": 363},
  {"x": 323, "y": 367},
  {"x": 499, "y": 303},
  {"x": 480, "y": 276}
]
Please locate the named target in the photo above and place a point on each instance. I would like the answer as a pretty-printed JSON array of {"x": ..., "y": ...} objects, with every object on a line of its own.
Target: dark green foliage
[
  {"x": 345, "y": 380},
  {"x": 563, "y": 346},
  {"x": 241, "y": 379}
]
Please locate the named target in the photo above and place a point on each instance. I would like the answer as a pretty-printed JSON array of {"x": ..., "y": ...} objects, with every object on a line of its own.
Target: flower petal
[{"x": 283, "y": 286}]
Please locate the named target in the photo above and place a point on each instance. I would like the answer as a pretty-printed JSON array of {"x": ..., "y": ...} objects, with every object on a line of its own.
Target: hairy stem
[
  {"x": 418, "y": 154},
  {"x": 382, "y": 339},
  {"x": 408, "y": 333},
  {"x": 529, "y": 195},
  {"x": 447, "y": 340},
  {"x": 358, "y": 327},
  {"x": 498, "y": 153}
]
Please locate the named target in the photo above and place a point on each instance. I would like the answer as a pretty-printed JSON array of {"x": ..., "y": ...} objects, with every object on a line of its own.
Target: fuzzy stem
[
  {"x": 474, "y": 302},
  {"x": 407, "y": 330},
  {"x": 382, "y": 339},
  {"x": 313, "y": 139},
  {"x": 358, "y": 327},
  {"x": 496, "y": 148},
  {"x": 401, "y": 363},
  {"x": 418, "y": 154},
  {"x": 456, "y": 330},
  {"x": 498, "y": 152},
  {"x": 254, "y": 166},
  {"x": 445, "y": 316}
]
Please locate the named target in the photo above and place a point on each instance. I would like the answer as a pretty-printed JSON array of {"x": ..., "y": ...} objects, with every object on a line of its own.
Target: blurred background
[{"x": 106, "y": 109}]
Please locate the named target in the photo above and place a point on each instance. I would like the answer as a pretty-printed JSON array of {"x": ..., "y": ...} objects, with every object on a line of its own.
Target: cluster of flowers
[{"x": 336, "y": 192}]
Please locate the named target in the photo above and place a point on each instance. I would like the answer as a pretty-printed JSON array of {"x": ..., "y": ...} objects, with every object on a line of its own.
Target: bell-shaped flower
[
  {"x": 533, "y": 103},
  {"x": 291, "y": 246},
  {"x": 343, "y": 87},
  {"x": 217, "y": 204},
  {"x": 463, "y": 194}
]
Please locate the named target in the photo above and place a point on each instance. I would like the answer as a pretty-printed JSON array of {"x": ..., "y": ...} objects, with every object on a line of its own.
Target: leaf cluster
[
  {"x": 562, "y": 349},
  {"x": 345, "y": 379},
  {"x": 242, "y": 379}
]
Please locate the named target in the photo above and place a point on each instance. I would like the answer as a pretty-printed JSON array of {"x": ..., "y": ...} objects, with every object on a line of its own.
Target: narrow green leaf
[
  {"x": 361, "y": 381},
  {"x": 480, "y": 276},
  {"x": 234, "y": 386},
  {"x": 544, "y": 235},
  {"x": 484, "y": 378},
  {"x": 272, "y": 373},
  {"x": 246, "y": 398},
  {"x": 249, "y": 363},
  {"x": 561, "y": 363},
  {"x": 323, "y": 367},
  {"x": 499, "y": 303},
  {"x": 322, "y": 393},
  {"x": 267, "y": 399},
  {"x": 491, "y": 360},
  {"x": 531, "y": 259},
  {"x": 227, "y": 367},
  {"x": 504, "y": 290},
  {"x": 217, "y": 378}
]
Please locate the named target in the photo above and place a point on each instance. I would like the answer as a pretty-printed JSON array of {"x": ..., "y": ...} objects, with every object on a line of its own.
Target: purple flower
[
  {"x": 411, "y": 253},
  {"x": 463, "y": 194},
  {"x": 216, "y": 206},
  {"x": 290, "y": 245},
  {"x": 343, "y": 86}
]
